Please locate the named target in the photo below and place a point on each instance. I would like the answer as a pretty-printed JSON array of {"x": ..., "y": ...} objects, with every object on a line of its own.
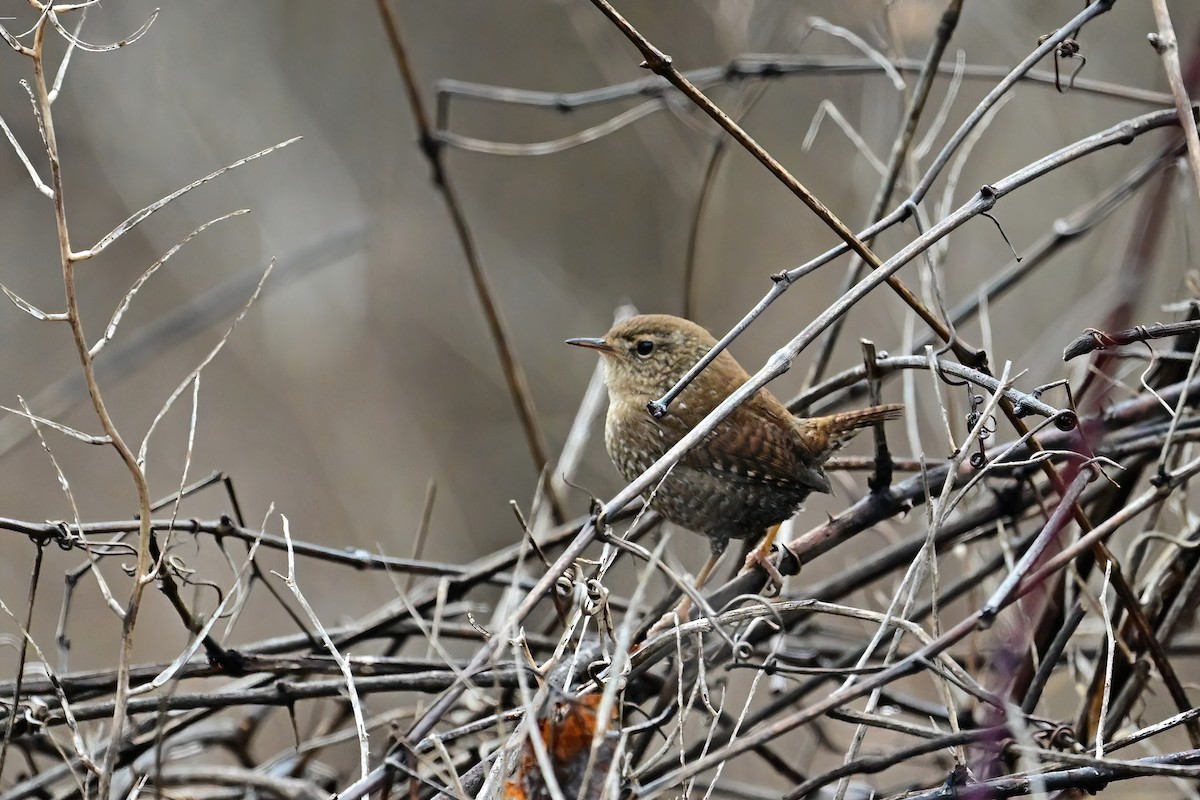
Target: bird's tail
[{"x": 825, "y": 435}]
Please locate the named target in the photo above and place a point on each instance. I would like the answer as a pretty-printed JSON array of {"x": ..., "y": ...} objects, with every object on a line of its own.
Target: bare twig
[
  {"x": 1167, "y": 46},
  {"x": 364, "y": 753},
  {"x": 514, "y": 374},
  {"x": 1093, "y": 340}
]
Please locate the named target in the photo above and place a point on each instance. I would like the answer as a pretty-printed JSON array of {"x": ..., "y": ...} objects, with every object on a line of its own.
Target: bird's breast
[{"x": 634, "y": 439}]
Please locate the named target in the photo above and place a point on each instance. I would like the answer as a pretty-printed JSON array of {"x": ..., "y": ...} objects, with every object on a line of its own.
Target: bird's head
[{"x": 644, "y": 356}]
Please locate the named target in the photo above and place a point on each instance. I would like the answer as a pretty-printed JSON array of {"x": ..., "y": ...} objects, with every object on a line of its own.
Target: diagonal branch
[{"x": 514, "y": 374}]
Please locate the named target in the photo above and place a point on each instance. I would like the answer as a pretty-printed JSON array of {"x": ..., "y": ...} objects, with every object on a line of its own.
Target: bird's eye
[{"x": 644, "y": 348}]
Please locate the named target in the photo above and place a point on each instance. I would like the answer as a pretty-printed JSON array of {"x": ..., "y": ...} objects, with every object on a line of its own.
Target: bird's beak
[{"x": 594, "y": 344}]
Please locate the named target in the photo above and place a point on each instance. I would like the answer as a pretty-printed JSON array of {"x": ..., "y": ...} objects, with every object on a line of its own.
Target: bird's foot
[
  {"x": 760, "y": 558},
  {"x": 673, "y": 618}
]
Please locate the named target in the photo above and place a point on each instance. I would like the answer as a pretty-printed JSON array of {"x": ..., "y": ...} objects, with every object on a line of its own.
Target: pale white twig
[
  {"x": 40, "y": 119},
  {"x": 856, "y": 41},
  {"x": 1110, "y": 637},
  {"x": 985, "y": 323},
  {"x": 364, "y": 752},
  {"x": 960, "y": 162},
  {"x": 30, "y": 308},
  {"x": 713, "y": 722},
  {"x": 444, "y": 752},
  {"x": 422, "y": 530},
  {"x": 86, "y": 438},
  {"x": 551, "y": 146},
  {"x": 102, "y": 48},
  {"x": 14, "y": 43},
  {"x": 431, "y": 636},
  {"x": 62, "y": 68},
  {"x": 827, "y": 108},
  {"x": 139, "y": 216},
  {"x": 80, "y": 747},
  {"x": 1177, "y": 412},
  {"x": 141, "y": 456},
  {"x": 37, "y": 180},
  {"x": 912, "y": 426},
  {"x": 62, "y": 478},
  {"x": 943, "y": 113},
  {"x": 673, "y": 739},
  {"x": 777, "y": 642},
  {"x": 1046, "y": 455},
  {"x": 123, "y": 306},
  {"x": 935, "y": 378},
  {"x": 61, "y": 8},
  {"x": 235, "y": 614},
  {"x": 105, "y": 592},
  {"x": 619, "y": 665},
  {"x": 1165, "y": 43},
  {"x": 1145, "y": 373},
  {"x": 187, "y": 464},
  {"x": 902, "y": 601},
  {"x": 135, "y": 790}
]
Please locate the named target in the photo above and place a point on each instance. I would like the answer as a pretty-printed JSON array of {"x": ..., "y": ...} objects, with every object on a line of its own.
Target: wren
[{"x": 752, "y": 472}]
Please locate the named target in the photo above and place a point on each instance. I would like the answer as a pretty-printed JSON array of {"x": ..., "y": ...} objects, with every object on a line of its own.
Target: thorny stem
[{"x": 1065, "y": 231}]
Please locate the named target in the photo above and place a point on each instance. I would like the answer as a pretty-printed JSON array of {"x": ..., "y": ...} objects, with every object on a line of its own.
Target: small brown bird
[{"x": 751, "y": 473}]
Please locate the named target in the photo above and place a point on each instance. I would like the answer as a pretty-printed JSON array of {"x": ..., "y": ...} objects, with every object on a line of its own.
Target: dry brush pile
[{"x": 1026, "y": 627}]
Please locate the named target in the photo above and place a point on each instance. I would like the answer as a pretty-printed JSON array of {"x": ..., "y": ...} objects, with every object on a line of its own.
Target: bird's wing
[{"x": 752, "y": 443}]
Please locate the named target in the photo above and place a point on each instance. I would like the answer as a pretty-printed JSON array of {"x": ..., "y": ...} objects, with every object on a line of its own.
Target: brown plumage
[{"x": 752, "y": 472}]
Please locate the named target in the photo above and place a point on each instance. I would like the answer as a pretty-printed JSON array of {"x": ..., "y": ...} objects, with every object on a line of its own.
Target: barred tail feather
[
  {"x": 824, "y": 435},
  {"x": 864, "y": 417}
]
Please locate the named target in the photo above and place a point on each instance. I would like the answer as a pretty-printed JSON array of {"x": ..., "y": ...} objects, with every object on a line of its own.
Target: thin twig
[
  {"x": 514, "y": 374},
  {"x": 1167, "y": 46},
  {"x": 1093, "y": 340},
  {"x": 364, "y": 754}
]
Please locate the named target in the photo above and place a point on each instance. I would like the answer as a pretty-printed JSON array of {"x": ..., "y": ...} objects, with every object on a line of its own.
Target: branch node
[
  {"x": 656, "y": 61},
  {"x": 431, "y": 147},
  {"x": 1066, "y": 420}
]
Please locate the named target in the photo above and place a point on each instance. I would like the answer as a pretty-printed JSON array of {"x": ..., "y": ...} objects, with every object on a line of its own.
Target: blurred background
[{"x": 366, "y": 370}]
